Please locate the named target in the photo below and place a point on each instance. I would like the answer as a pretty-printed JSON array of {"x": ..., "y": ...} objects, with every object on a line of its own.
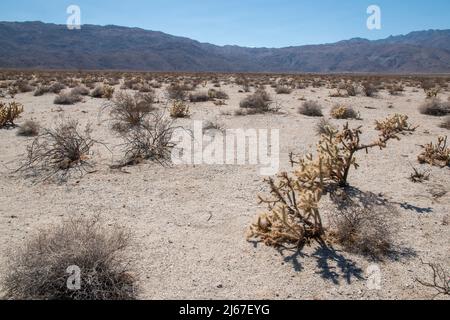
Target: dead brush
[
  {"x": 363, "y": 228},
  {"x": 9, "y": 113},
  {"x": 283, "y": 89},
  {"x": 311, "y": 109},
  {"x": 176, "y": 92},
  {"x": 435, "y": 107},
  {"x": 128, "y": 111},
  {"x": 369, "y": 89},
  {"x": 258, "y": 102},
  {"x": 39, "y": 270},
  {"x": 199, "y": 97},
  {"x": 436, "y": 154},
  {"x": 395, "y": 89},
  {"x": 29, "y": 129},
  {"x": 152, "y": 140},
  {"x": 446, "y": 123},
  {"x": 59, "y": 152},
  {"x": 67, "y": 98},
  {"x": 324, "y": 127},
  {"x": 217, "y": 94},
  {"x": 440, "y": 282}
]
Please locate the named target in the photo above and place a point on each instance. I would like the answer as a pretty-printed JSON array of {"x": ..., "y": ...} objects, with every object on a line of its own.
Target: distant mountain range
[{"x": 48, "y": 46}]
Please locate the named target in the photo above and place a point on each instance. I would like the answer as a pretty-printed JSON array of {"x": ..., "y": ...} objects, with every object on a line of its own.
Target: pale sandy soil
[{"x": 190, "y": 222}]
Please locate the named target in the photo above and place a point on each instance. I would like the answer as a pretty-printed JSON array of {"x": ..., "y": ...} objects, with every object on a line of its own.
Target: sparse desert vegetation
[
  {"x": 38, "y": 270},
  {"x": 363, "y": 180}
]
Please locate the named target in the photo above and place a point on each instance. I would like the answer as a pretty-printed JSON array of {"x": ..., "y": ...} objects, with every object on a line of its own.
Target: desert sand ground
[{"x": 190, "y": 222}]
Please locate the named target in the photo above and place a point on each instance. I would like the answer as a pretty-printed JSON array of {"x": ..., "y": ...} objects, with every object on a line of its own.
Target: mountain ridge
[{"x": 38, "y": 45}]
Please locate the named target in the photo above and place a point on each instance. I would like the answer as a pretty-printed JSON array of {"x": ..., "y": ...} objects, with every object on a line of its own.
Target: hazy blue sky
[{"x": 271, "y": 23}]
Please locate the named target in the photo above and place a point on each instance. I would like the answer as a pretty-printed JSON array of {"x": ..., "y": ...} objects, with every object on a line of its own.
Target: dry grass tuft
[
  {"x": 311, "y": 109},
  {"x": 419, "y": 176},
  {"x": 29, "y": 129},
  {"x": 363, "y": 228},
  {"x": 435, "y": 107},
  {"x": 67, "y": 98},
  {"x": 59, "y": 152},
  {"x": 41, "y": 269}
]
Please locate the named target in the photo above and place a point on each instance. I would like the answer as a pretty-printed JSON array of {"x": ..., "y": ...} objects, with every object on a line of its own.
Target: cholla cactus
[
  {"x": 10, "y": 112},
  {"x": 108, "y": 92},
  {"x": 337, "y": 149},
  {"x": 293, "y": 215},
  {"x": 293, "y": 209},
  {"x": 432, "y": 93},
  {"x": 179, "y": 110},
  {"x": 436, "y": 154}
]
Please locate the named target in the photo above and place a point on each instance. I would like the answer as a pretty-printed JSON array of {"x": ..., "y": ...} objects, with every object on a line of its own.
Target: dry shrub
[
  {"x": 436, "y": 154},
  {"x": 176, "y": 92},
  {"x": 23, "y": 86},
  {"x": 128, "y": 110},
  {"x": 152, "y": 140},
  {"x": 440, "y": 282},
  {"x": 67, "y": 98},
  {"x": 395, "y": 89},
  {"x": 59, "y": 152},
  {"x": 103, "y": 91},
  {"x": 259, "y": 102},
  {"x": 311, "y": 109},
  {"x": 80, "y": 91},
  {"x": 343, "y": 112},
  {"x": 56, "y": 87},
  {"x": 283, "y": 90},
  {"x": 39, "y": 270},
  {"x": 179, "y": 109},
  {"x": 446, "y": 123},
  {"x": 199, "y": 97},
  {"x": 339, "y": 93},
  {"x": 293, "y": 215},
  {"x": 29, "y": 129},
  {"x": 213, "y": 126},
  {"x": 369, "y": 89},
  {"x": 351, "y": 89},
  {"x": 427, "y": 84},
  {"x": 146, "y": 88},
  {"x": 363, "y": 228},
  {"x": 435, "y": 107},
  {"x": 9, "y": 113},
  {"x": 217, "y": 94},
  {"x": 324, "y": 126},
  {"x": 40, "y": 91}
]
